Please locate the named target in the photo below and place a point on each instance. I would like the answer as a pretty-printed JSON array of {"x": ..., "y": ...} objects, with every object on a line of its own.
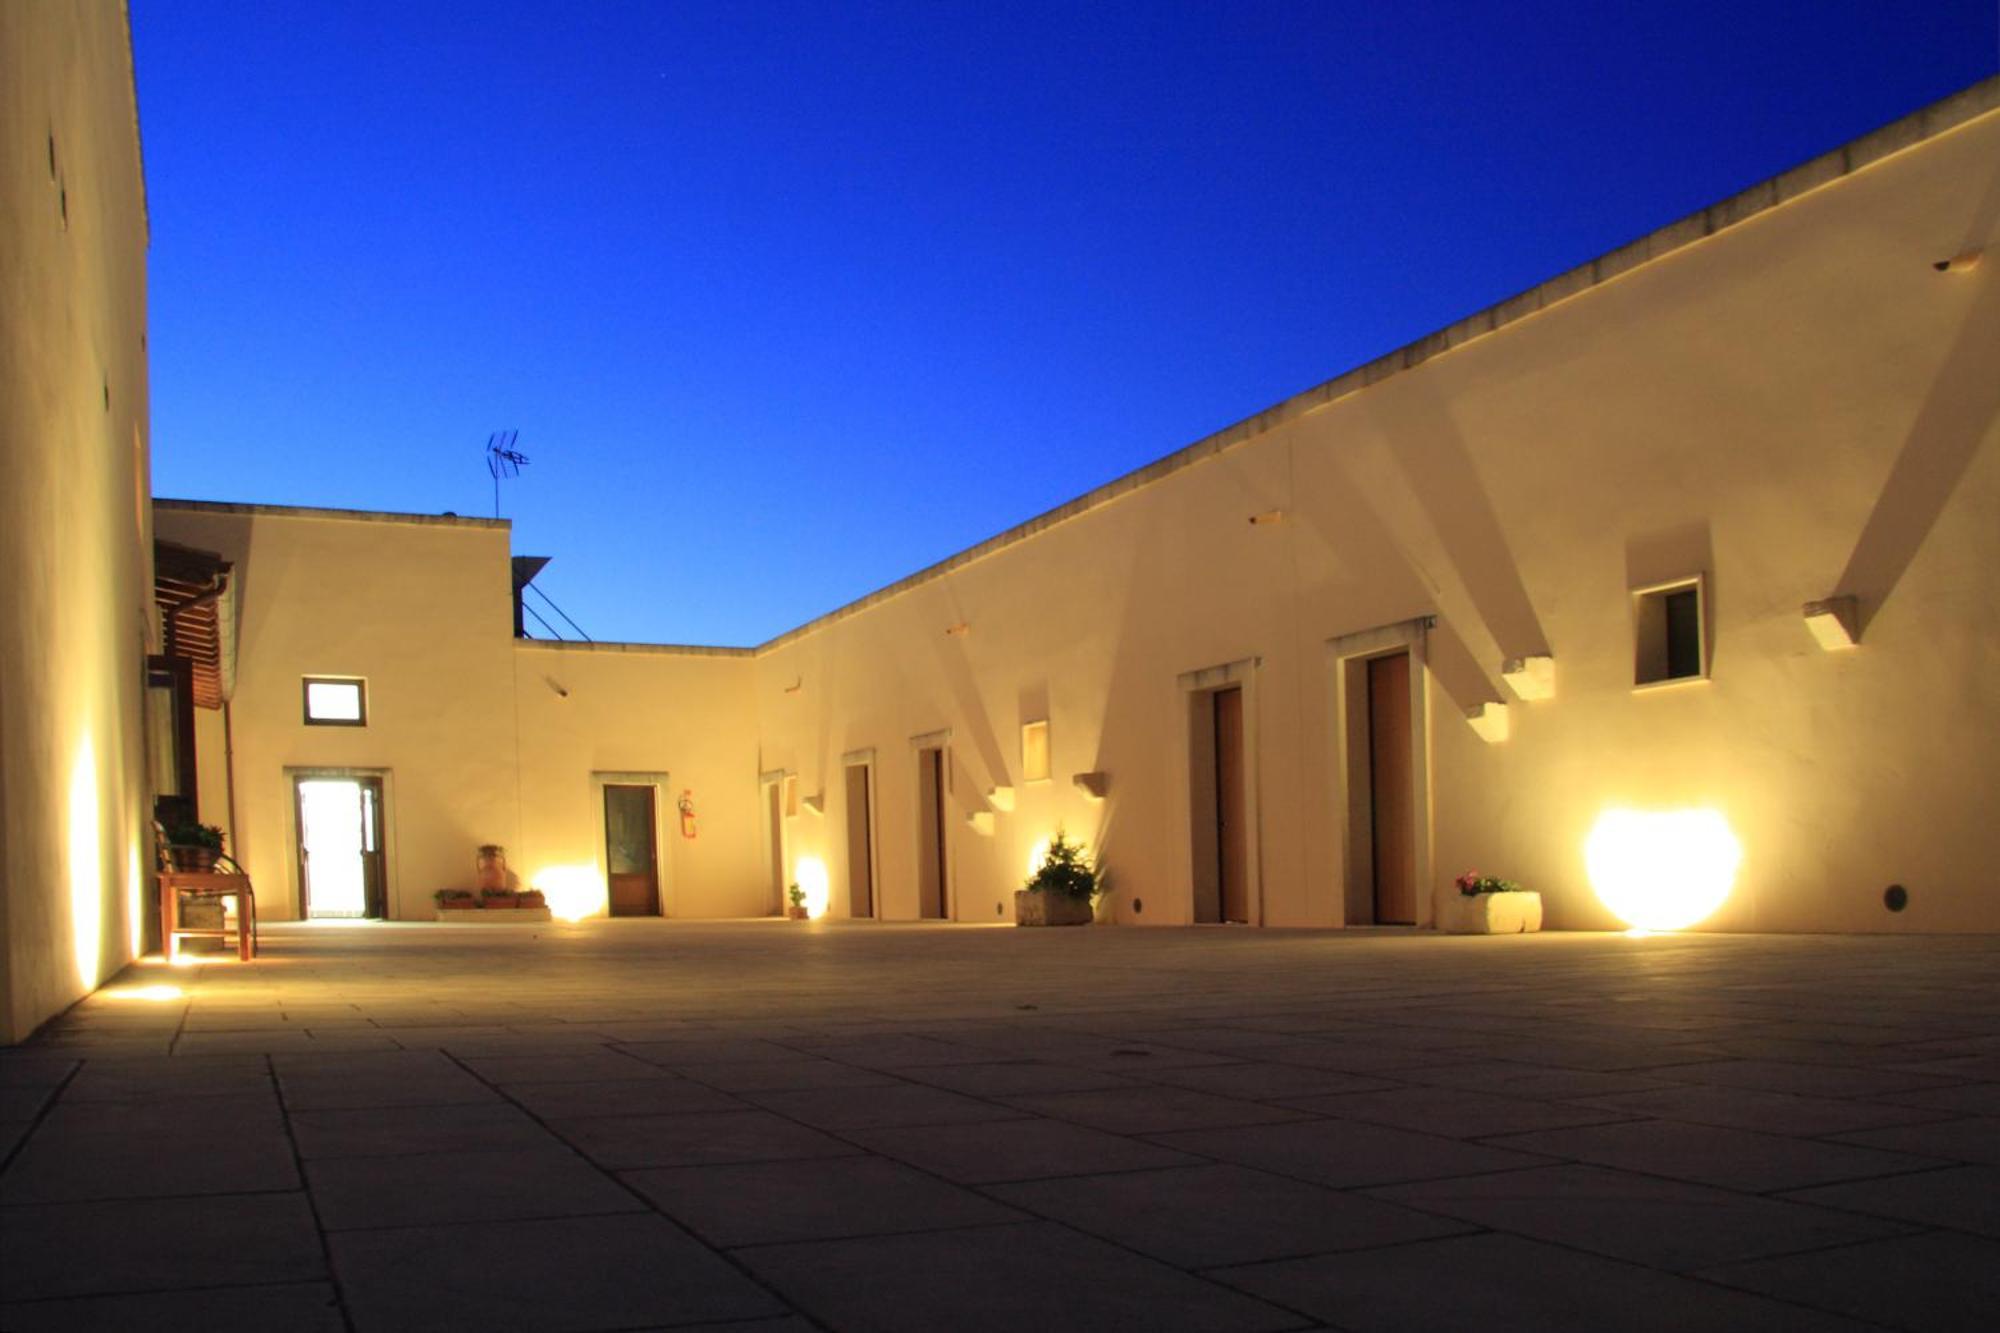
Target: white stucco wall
[
  {"x": 75, "y": 549},
  {"x": 1797, "y": 407}
]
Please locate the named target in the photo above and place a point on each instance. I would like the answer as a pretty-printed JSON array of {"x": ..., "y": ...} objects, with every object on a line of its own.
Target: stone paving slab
[
  {"x": 294, "y": 1307},
  {"x": 630, "y": 1271},
  {"x": 1622, "y": 1215},
  {"x": 1504, "y": 1283},
  {"x": 1203, "y": 1216},
  {"x": 925, "y": 1126},
  {"x": 1941, "y": 1281},
  {"x": 1004, "y": 1279}
]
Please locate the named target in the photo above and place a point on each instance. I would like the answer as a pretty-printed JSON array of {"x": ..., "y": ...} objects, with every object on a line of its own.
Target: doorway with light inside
[{"x": 340, "y": 841}]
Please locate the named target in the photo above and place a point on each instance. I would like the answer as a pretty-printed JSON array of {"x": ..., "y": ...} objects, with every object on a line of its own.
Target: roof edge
[
  {"x": 314, "y": 511},
  {"x": 1928, "y": 122},
  {"x": 657, "y": 649}
]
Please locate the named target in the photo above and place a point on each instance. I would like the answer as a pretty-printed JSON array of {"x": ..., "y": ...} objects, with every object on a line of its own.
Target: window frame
[
  {"x": 1038, "y": 726},
  {"x": 1651, "y": 625},
  {"x": 360, "y": 684}
]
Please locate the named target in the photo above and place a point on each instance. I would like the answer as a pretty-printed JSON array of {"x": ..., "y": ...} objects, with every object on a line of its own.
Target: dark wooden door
[
  {"x": 1232, "y": 832},
  {"x": 631, "y": 853},
  {"x": 930, "y": 835},
  {"x": 1390, "y": 790},
  {"x": 860, "y": 844},
  {"x": 774, "y": 851},
  {"x": 375, "y": 885}
]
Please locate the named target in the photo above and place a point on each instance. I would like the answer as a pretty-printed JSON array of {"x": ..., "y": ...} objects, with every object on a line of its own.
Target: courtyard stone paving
[{"x": 768, "y": 1126}]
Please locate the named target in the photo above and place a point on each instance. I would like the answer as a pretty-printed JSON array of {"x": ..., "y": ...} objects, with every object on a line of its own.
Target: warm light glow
[
  {"x": 574, "y": 892},
  {"x": 135, "y": 901},
  {"x": 1662, "y": 869},
  {"x": 86, "y": 865},
  {"x": 1036, "y": 855},
  {"x": 160, "y": 994},
  {"x": 810, "y": 875}
]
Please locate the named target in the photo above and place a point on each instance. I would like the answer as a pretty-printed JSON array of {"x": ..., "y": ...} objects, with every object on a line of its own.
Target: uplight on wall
[
  {"x": 810, "y": 875},
  {"x": 1662, "y": 869},
  {"x": 574, "y": 892},
  {"x": 86, "y": 865}
]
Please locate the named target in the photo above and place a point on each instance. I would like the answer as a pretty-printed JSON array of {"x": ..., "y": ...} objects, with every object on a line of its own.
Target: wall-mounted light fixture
[
  {"x": 1833, "y": 623},
  {"x": 958, "y": 631},
  {"x": 1268, "y": 517},
  {"x": 561, "y": 691},
  {"x": 1963, "y": 262},
  {"x": 1000, "y": 798},
  {"x": 980, "y": 822},
  {"x": 1530, "y": 677},
  {"x": 1489, "y": 722},
  {"x": 798, "y": 683}
]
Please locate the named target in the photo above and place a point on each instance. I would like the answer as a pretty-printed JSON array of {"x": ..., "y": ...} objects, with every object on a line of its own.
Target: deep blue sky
[{"x": 790, "y": 300}]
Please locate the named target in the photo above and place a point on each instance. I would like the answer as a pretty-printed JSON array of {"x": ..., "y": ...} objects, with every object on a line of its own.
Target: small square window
[
  {"x": 1671, "y": 640},
  {"x": 1035, "y": 752},
  {"x": 334, "y": 701}
]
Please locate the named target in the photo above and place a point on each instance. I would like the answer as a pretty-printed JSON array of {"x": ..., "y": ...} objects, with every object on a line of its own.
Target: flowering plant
[{"x": 1472, "y": 884}]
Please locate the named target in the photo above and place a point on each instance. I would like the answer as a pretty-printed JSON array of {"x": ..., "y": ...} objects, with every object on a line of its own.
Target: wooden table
[{"x": 207, "y": 884}]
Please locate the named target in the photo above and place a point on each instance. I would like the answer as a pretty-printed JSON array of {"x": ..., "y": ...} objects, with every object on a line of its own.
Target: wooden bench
[{"x": 177, "y": 886}]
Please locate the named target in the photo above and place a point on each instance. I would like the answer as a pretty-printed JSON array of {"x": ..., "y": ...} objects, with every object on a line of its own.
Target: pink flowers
[{"x": 1472, "y": 884}]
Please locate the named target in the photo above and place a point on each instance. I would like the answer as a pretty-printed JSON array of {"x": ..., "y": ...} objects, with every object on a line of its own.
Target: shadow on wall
[
  {"x": 1430, "y": 451},
  {"x": 1126, "y": 717},
  {"x": 1961, "y": 406},
  {"x": 968, "y": 709}
]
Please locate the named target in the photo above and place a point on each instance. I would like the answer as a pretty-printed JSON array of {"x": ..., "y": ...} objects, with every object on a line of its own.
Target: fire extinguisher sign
[{"x": 686, "y": 804}]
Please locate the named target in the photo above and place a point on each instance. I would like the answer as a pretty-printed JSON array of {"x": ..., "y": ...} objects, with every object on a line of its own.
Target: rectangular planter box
[
  {"x": 1039, "y": 907},
  {"x": 493, "y": 916},
  {"x": 1491, "y": 913}
]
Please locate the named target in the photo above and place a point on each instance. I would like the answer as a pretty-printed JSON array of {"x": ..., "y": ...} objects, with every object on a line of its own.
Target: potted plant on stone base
[
  {"x": 1061, "y": 890},
  {"x": 192, "y": 848},
  {"x": 1489, "y": 905}
]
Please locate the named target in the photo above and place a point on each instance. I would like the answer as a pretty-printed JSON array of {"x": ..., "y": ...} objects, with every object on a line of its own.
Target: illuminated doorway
[{"x": 340, "y": 847}]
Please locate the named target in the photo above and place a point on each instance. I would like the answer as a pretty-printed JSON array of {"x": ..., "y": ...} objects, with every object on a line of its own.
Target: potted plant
[
  {"x": 459, "y": 900},
  {"x": 499, "y": 898},
  {"x": 193, "y": 847},
  {"x": 1490, "y": 905},
  {"x": 797, "y": 897},
  {"x": 527, "y": 898},
  {"x": 1061, "y": 890}
]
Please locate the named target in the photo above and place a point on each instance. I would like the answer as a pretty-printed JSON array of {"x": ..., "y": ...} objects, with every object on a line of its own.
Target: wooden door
[
  {"x": 774, "y": 851},
  {"x": 931, "y": 888},
  {"x": 1232, "y": 832},
  {"x": 375, "y": 885},
  {"x": 1391, "y": 796},
  {"x": 631, "y": 852},
  {"x": 860, "y": 844}
]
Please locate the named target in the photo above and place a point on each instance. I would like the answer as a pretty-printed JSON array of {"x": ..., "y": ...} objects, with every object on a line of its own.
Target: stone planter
[
  {"x": 1491, "y": 913},
  {"x": 1039, "y": 907}
]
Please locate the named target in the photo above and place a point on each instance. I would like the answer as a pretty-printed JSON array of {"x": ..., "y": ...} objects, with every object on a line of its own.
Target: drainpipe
[{"x": 229, "y": 781}]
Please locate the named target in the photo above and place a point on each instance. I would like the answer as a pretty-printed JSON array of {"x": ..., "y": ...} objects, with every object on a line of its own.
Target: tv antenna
[{"x": 503, "y": 460}]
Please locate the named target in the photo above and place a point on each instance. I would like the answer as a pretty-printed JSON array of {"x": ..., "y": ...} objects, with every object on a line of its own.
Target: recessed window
[
  {"x": 1671, "y": 642},
  {"x": 1035, "y": 752},
  {"x": 336, "y": 701}
]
